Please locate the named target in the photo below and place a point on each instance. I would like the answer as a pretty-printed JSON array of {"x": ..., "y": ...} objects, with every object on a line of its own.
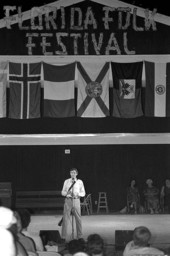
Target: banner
[
  {"x": 59, "y": 90},
  {"x": 127, "y": 83},
  {"x": 24, "y": 90},
  {"x": 93, "y": 90},
  {"x": 85, "y": 28}
]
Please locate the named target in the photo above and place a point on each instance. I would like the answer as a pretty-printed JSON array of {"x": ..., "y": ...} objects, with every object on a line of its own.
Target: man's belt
[{"x": 72, "y": 197}]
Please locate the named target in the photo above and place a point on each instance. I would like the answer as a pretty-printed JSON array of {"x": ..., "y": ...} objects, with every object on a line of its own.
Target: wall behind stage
[{"x": 102, "y": 168}]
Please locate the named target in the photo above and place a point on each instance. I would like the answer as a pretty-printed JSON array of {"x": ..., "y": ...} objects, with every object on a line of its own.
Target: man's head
[
  {"x": 25, "y": 217},
  {"x": 73, "y": 173},
  {"x": 141, "y": 236},
  {"x": 95, "y": 244}
]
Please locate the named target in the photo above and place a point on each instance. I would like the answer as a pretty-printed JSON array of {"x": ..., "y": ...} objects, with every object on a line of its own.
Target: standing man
[{"x": 73, "y": 189}]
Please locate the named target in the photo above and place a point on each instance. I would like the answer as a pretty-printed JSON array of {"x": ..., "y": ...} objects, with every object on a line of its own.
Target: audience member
[
  {"x": 80, "y": 254},
  {"x": 140, "y": 244},
  {"x": 25, "y": 220},
  {"x": 21, "y": 251},
  {"x": 151, "y": 194},
  {"x": 7, "y": 242},
  {"x": 74, "y": 246},
  {"x": 26, "y": 242},
  {"x": 95, "y": 245}
]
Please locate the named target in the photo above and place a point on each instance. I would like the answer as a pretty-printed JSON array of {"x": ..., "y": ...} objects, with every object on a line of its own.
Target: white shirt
[
  {"x": 77, "y": 190},
  {"x": 133, "y": 250}
]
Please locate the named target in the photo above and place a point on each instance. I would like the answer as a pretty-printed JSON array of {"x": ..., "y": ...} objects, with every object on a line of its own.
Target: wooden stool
[{"x": 102, "y": 202}]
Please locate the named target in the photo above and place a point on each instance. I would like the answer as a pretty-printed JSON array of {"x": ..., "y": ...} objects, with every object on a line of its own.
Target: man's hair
[
  {"x": 25, "y": 217},
  {"x": 74, "y": 169},
  {"x": 95, "y": 244},
  {"x": 76, "y": 245},
  {"x": 141, "y": 236}
]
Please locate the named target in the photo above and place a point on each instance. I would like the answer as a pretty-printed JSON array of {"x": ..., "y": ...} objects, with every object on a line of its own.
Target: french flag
[{"x": 59, "y": 97}]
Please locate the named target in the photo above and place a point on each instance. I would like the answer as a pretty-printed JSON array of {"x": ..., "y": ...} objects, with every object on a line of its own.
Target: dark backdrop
[{"x": 102, "y": 168}]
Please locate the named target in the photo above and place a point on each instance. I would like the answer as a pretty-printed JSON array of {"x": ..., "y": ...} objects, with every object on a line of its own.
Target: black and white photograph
[{"x": 84, "y": 128}]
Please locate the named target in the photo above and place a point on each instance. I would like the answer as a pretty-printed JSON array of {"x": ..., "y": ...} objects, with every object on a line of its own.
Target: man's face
[{"x": 73, "y": 174}]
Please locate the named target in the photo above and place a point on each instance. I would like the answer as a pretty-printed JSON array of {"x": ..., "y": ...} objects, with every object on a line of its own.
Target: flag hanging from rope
[
  {"x": 59, "y": 98},
  {"x": 127, "y": 83},
  {"x": 157, "y": 97},
  {"x": 3, "y": 88},
  {"x": 93, "y": 90},
  {"x": 24, "y": 90}
]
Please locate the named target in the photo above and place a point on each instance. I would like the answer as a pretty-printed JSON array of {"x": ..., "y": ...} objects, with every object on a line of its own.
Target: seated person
[
  {"x": 165, "y": 195},
  {"x": 133, "y": 198},
  {"x": 140, "y": 244},
  {"x": 151, "y": 194},
  {"x": 75, "y": 246},
  {"x": 25, "y": 241},
  {"x": 95, "y": 245},
  {"x": 25, "y": 220}
]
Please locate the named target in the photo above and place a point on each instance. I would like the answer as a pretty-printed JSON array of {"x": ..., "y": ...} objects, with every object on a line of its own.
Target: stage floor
[{"x": 106, "y": 224}]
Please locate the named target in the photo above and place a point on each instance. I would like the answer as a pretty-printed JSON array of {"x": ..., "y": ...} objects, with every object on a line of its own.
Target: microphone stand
[
  {"x": 61, "y": 221},
  {"x": 72, "y": 217},
  {"x": 72, "y": 210}
]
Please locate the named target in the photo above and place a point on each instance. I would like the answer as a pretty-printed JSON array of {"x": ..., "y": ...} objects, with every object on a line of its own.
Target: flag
[
  {"x": 127, "y": 83},
  {"x": 24, "y": 90},
  {"x": 59, "y": 99},
  {"x": 93, "y": 90},
  {"x": 157, "y": 97},
  {"x": 3, "y": 87}
]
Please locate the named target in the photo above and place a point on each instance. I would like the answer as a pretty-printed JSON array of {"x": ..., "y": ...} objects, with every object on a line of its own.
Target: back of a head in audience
[
  {"x": 76, "y": 245},
  {"x": 80, "y": 254},
  {"x": 95, "y": 244},
  {"x": 7, "y": 242},
  {"x": 25, "y": 217},
  {"x": 140, "y": 244},
  {"x": 141, "y": 236},
  {"x": 7, "y": 217}
]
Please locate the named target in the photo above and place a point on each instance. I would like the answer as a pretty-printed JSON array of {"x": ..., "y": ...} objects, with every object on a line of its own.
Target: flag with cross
[
  {"x": 93, "y": 89},
  {"x": 24, "y": 90}
]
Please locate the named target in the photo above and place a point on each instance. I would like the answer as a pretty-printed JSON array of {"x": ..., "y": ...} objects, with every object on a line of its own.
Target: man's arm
[
  {"x": 64, "y": 189},
  {"x": 82, "y": 190}
]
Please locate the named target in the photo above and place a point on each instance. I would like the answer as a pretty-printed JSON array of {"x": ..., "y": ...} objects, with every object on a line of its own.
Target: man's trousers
[{"x": 71, "y": 207}]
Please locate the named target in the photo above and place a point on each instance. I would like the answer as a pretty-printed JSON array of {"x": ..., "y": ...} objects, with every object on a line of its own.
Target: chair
[
  {"x": 86, "y": 205},
  {"x": 132, "y": 205},
  {"x": 148, "y": 208}
]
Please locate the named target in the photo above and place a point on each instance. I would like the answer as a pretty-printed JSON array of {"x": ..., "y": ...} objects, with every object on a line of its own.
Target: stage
[{"x": 106, "y": 224}]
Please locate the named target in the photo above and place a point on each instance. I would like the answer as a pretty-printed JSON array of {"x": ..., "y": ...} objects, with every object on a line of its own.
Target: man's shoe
[{"x": 60, "y": 222}]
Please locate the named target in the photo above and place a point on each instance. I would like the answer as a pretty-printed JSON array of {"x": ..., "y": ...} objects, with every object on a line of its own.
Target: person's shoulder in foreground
[{"x": 140, "y": 244}]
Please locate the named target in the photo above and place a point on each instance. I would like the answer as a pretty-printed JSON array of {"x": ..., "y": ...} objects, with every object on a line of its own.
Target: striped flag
[
  {"x": 59, "y": 99},
  {"x": 3, "y": 88},
  {"x": 127, "y": 83},
  {"x": 93, "y": 90},
  {"x": 157, "y": 97},
  {"x": 24, "y": 90}
]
